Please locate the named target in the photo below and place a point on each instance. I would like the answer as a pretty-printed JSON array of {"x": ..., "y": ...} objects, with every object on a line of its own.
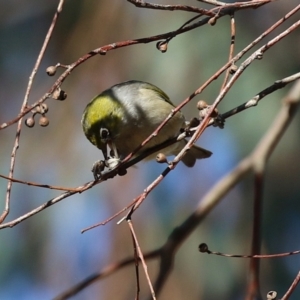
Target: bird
[{"x": 124, "y": 115}]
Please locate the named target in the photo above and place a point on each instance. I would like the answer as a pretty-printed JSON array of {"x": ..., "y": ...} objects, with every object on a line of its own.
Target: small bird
[{"x": 123, "y": 116}]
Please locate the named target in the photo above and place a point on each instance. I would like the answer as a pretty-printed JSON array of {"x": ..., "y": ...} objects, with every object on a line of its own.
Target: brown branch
[
  {"x": 213, "y": 2},
  {"x": 229, "y": 9},
  {"x": 292, "y": 288},
  {"x": 141, "y": 257},
  {"x": 244, "y": 4},
  {"x": 23, "y": 108},
  {"x": 46, "y": 205},
  {"x": 231, "y": 50},
  {"x": 278, "y": 84},
  {"x": 102, "y": 51},
  {"x": 180, "y": 7},
  {"x": 253, "y": 288},
  {"x": 201, "y": 127},
  {"x": 107, "y": 271},
  {"x": 220, "y": 5},
  {"x": 206, "y": 120},
  {"x": 261, "y": 153},
  {"x": 260, "y": 157},
  {"x": 251, "y": 103},
  {"x": 240, "y": 70},
  {"x": 46, "y": 186},
  {"x": 203, "y": 248},
  {"x": 111, "y": 173},
  {"x": 136, "y": 263}
]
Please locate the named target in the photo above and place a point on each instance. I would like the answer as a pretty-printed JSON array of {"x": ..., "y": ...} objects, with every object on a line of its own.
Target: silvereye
[{"x": 123, "y": 116}]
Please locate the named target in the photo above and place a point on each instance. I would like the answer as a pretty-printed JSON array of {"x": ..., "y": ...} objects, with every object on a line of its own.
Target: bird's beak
[
  {"x": 104, "y": 151},
  {"x": 113, "y": 147}
]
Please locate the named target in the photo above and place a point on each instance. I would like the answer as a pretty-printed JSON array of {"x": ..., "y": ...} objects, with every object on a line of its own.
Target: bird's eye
[{"x": 104, "y": 133}]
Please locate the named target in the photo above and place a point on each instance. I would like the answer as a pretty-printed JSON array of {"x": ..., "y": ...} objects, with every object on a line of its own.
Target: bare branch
[
  {"x": 292, "y": 288},
  {"x": 23, "y": 108}
]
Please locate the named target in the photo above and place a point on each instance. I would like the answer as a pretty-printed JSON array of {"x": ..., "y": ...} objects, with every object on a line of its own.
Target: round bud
[
  {"x": 203, "y": 248},
  {"x": 43, "y": 121},
  {"x": 201, "y": 104},
  {"x": 271, "y": 295},
  {"x": 59, "y": 94},
  {"x": 161, "y": 158},
  {"x": 233, "y": 69},
  {"x": 212, "y": 21},
  {"x": 162, "y": 46},
  {"x": 51, "y": 70},
  {"x": 29, "y": 122}
]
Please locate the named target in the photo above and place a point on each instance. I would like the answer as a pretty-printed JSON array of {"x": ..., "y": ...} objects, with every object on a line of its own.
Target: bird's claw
[
  {"x": 98, "y": 168},
  {"x": 110, "y": 163}
]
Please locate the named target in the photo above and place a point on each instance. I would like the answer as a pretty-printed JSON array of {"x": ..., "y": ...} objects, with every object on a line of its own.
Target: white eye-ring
[{"x": 104, "y": 134}]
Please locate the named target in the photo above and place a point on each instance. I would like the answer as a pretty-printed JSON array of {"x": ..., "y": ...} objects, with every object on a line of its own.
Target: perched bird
[{"x": 123, "y": 116}]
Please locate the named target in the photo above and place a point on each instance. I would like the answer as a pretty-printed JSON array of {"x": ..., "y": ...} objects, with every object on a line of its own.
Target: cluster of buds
[
  {"x": 203, "y": 108},
  {"x": 41, "y": 109}
]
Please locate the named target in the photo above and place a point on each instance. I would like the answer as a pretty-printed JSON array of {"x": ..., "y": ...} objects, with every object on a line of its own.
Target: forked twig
[
  {"x": 259, "y": 155},
  {"x": 71, "y": 191},
  {"x": 141, "y": 256},
  {"x": 23, "y": 108}
]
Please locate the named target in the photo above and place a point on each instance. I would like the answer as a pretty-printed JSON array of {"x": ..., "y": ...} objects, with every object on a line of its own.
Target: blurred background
[{"x": 46, "y": 254}]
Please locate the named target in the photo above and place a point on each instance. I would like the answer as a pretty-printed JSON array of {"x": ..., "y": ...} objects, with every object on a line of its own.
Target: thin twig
[
  {"x": 46, "y": 205},
  {"x": 231, "y": 49},
  {"x": 229, "y": 9},
  {"x": 208, "y": 202},
  {"x": 213, "y": 2},
  {"x": 292, "y": 288},
  {"x": 222, "y": 94},
  {"x": 180, "y": 7},
  {"x": 203, "y": 248},
  {"x": 253, "y": 287},
  {"x": 217, "y": 192},
  {"x": 141, "y": 256},
  {"x": 241, "y": 5},
  {"x": 278, "y": 84},
  {"x": 251, "y": 103},
  {"x": 23, "y": 108},
  {"x": 107, "y": 271},
  {"x": 136, "y": 263},
  {"x": 45, "y": 186},
  {"x": 207, "y": 118},
  {"x": 90, "y": 184}
]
